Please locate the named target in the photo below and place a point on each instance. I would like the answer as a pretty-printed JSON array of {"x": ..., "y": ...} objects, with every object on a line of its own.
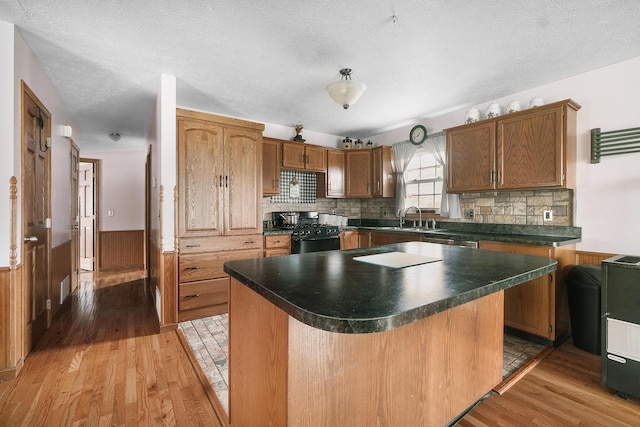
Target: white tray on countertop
[{"x": 396, "y": 259}]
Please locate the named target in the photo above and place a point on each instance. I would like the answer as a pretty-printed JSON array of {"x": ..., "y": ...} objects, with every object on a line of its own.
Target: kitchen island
[{"x": 324, "y": 339}]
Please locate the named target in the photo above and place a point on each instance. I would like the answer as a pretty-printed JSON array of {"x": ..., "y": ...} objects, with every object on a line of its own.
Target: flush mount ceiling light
[
  {"x": 115, "y": 136},
  {"x": 346, "y": 91}
]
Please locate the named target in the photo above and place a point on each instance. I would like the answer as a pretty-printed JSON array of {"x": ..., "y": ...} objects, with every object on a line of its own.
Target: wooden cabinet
[
  {"x": 271, "y": 161},
  {"x": 382, "y": 176},
  {"x": 219, "y": 215},
  {"x": 349, "y": 239},
  {"x": 369, "y": 172},
  {"x": 538, "y": 307},
  {"x": 277, "y": 244},
  {"x": 296, "y": 155},
  {"x": 384, "y": 238},
  {"x": 335, "y": 174},
  {"x": 358, "y": 173},
  {"x": 534, "y": 148}
]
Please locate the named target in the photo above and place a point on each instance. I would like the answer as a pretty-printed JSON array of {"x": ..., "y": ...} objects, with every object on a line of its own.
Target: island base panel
[{"x": 424, "y": 373}]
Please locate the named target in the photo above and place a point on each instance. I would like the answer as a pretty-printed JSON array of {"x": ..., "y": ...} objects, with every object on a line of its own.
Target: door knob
[{"x": 30, "y": 239}]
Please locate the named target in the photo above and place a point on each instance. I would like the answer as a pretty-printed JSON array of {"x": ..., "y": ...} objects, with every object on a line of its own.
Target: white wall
[
  {"x": 121, "y": 189},
  {"x": 7, "y": 145},
  {"x": 310, "y": 137},
  {"x": 607, "y": 194},
  {"x": 19, "y": 63}
]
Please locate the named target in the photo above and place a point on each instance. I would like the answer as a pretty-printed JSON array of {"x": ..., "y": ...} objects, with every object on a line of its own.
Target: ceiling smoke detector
[{"x": 115, "y": 136}]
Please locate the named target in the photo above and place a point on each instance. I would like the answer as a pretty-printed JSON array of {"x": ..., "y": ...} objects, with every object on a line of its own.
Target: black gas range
[{"x": 307, "y": 234}]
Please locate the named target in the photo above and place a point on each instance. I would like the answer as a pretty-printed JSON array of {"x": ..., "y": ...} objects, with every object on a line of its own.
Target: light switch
[{"x": 110, "y": 212}]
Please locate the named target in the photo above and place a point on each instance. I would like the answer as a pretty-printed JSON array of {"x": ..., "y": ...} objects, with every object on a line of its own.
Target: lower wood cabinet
[
  {"x": 203, "y": 286},
  {"x": 277, "y": 244},
  {"x": 383, "y": 238},
  {"x": 538, "y": 307},
  {"x": 349, "y": 239}
]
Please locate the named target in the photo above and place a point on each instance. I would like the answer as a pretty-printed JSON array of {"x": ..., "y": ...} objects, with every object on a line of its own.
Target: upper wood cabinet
[
  {"x": 335, "y": 185},
  {"x": 271, "y": 161},
  {"x": 382, "y": 176},
  {"x": 358, "y": 173},
  {"x": 369, "y": 172},
  {"x": 219, "y": 176},
  {"x": 534, "y": 148},
  {"x": 297, "y": 155}
]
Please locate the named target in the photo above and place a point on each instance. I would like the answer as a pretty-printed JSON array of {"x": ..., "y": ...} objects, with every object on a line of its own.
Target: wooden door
[
  {"x": 530, "y": 150},
  {"x": 316, "y": 158},
  {"x": 471, "y": 158},
  {"x": 293, "y": 155},
  {"x": 86, "y": 206},
  {"x": 243, "y": 182},
  {"x": 74, "y": 220},
  {"x": 271, "y": 160},
  {"x": 201, "y": 178},
  {"x": 335, "y": 173},
  {"x": 358, "y": 177},
  {"x": 36, "y": 129}
]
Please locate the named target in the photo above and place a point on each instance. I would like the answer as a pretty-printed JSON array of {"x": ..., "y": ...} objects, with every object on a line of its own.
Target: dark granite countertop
[
  {"x": 331, "y": 291},
  {"x": 509, "y": 233}
]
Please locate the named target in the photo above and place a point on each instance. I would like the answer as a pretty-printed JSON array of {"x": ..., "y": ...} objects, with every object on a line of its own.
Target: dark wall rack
[{"x": 613, "y": 142}]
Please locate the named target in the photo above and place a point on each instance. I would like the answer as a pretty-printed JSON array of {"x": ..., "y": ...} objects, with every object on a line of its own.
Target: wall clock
[{"x": 418, "y": 134}]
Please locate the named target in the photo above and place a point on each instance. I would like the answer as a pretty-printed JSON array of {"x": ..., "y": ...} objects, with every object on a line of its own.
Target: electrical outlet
[
  {"x": 333, "y": 211},
  {"x": 547, "y": 215},
  {"x": 468, "y": 213},
  {"x": 385, "y": 213}
]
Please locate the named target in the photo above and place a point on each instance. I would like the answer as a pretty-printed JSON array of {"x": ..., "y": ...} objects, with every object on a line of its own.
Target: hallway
[{"x": 102, "y": 362}]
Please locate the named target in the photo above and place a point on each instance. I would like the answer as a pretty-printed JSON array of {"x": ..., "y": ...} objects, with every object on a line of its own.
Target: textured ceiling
[{"x": 270, "y": 61}]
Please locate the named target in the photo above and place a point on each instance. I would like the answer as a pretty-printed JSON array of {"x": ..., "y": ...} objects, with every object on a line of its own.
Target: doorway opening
[{"x": 88, "y": 218}]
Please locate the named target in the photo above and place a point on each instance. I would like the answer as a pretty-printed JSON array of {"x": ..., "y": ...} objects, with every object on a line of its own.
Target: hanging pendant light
[{"x": 346, "y": 91}]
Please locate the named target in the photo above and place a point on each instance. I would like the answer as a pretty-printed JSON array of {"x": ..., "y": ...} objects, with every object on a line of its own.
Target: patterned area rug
[{"x": 208, "y": 338}]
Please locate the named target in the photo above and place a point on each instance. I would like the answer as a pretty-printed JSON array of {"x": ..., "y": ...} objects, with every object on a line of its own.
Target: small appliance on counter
[{"x": 621, "y": 324}]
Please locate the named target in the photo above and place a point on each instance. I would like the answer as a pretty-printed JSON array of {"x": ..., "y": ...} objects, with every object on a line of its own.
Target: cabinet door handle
[
  {"x": 378, "y": 185},
  {"x": 499, "y": 176},
  {"x": 193, "y": 246},
  {"x": 491, "y": 176},
  {"x": 220, "y": 180},
  {"x": 192, "y": 268},
  {"x": 192, "y": 296},
  {"x": 249, "y": 242},
  {"x": 226, "y": 181}
]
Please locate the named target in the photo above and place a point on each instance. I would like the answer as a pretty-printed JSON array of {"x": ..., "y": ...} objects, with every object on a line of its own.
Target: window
[{"x": 424, "y": 181}]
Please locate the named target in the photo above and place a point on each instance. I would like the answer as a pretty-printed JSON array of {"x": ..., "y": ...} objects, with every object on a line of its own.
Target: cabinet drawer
[
  {"x": 277, "y": 241},
  {"x": 276, "y": 252},
  {"x": 203, "y": 293},
  {"x": 225, "y": 243},
  {"x": 209, "y": 265}
]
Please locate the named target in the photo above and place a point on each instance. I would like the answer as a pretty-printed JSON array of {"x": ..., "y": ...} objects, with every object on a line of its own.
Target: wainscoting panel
[
  {"x": 583, "y": 257},
  {"x": 60, "y": 269},
  {"x": 121, "y": 250},
  {"x": 11, "y": 323}
]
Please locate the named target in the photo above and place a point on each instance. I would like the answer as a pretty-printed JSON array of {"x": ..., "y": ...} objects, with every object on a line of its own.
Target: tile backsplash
[{"x": 515, "y": 207}]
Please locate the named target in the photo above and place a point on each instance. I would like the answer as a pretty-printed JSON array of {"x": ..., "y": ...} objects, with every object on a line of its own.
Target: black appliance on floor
[
  {"x": 621, "y": 324},
  {"x": 307, "y": 234}
]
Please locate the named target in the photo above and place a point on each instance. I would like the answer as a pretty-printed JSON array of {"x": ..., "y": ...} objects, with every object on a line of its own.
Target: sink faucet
[{"x": 419, "y": 214}]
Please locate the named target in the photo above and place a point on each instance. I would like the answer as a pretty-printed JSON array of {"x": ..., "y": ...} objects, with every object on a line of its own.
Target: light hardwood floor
[
  {"x": 562, "y": 390},
  {"x": 103, "y": 362}
]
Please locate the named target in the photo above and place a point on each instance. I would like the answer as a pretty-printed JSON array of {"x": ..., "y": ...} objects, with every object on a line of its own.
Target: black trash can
[{"x": 584, "y": 284}]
